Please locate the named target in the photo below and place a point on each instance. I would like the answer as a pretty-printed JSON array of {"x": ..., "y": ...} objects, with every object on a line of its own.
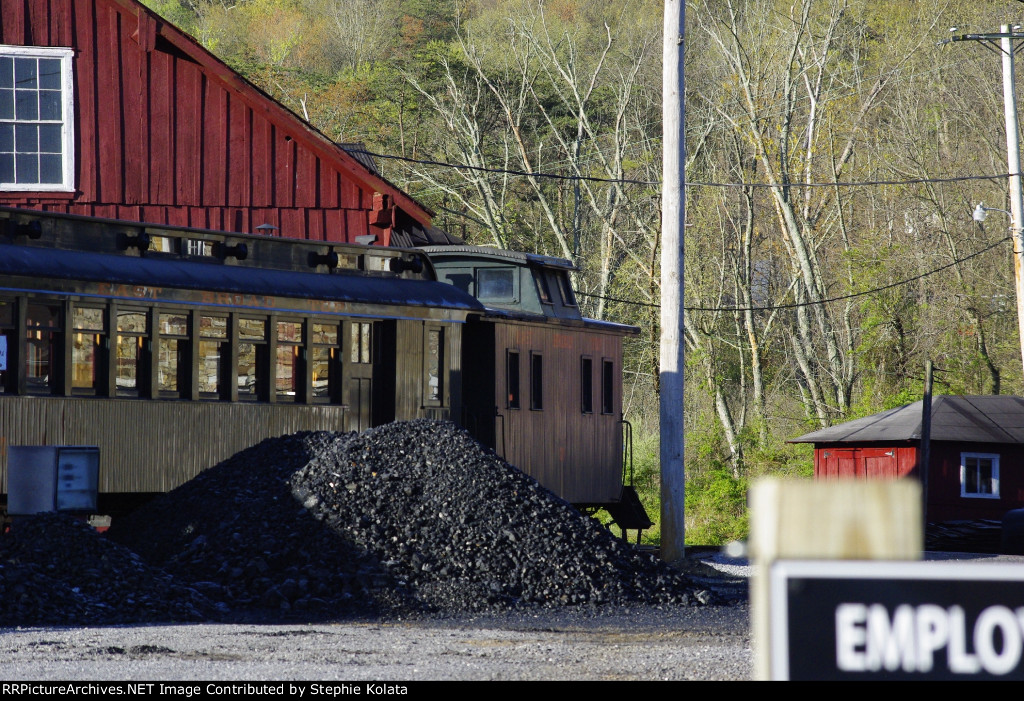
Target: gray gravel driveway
[{"x": 700, "y": 643}]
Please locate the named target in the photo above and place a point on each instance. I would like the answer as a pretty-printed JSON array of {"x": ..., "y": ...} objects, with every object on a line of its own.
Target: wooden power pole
[
  {"x": 1006, "y": 43},
  {"x": 673, "y": 214}
]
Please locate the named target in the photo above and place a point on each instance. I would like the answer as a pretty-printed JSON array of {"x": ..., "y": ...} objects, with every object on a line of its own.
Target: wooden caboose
[
  {"x": 108, "y": 111},
  {"x": 543, "y": 384},
  {"x": 976, "y": 465}
]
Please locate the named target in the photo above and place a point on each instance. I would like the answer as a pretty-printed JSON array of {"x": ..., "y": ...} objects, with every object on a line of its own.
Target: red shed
[
  {"x": 976, "y": 469},
  {"x": 107, "y": 110}
]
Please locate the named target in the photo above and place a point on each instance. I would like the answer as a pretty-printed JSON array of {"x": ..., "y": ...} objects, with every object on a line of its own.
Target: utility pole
[
  {"x": 673, "y": 214},
  {"x": 1009, "y": 42}
]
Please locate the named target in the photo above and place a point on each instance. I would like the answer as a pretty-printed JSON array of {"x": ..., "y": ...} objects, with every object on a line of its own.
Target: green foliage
[{"x": 716, "y": 507}]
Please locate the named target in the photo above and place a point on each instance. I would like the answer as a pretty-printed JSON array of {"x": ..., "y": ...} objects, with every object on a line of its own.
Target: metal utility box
[{"x": 43, "y": 479}]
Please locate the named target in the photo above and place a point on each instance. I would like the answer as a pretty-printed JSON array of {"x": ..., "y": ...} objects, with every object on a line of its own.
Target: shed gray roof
[{"x": 981, "y": 419}]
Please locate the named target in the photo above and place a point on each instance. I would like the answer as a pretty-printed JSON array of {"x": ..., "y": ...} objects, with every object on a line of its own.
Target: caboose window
[
  {"x": 512, "y": 379},
  {"x": 86, "y": 348},
  {"x": 495, "y": 284},
  {"x": 536, "y": 381},
  {"x": 607, "y": 387},
  {"x": 565, "y": 289},
  {"x": 979, "y": 475},
  {"x": 42, "y": 328},
  {"x": 587, "y": 385},
  {"x": 541, "y": 281},
  {"x": 36, "y": 130}
]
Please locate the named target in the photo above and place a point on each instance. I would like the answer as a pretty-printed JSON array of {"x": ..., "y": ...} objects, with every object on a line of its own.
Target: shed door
[{"x": 868, "y": 463}]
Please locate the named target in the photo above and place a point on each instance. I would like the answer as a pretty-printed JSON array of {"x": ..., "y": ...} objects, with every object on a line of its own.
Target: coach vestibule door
[
  {"x": 359, "y": 359},
  {"x": 368, "y": 356}
]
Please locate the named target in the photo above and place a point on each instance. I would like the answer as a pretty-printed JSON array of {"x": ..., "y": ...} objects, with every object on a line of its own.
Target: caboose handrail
[{"x": 627, "y": 452}]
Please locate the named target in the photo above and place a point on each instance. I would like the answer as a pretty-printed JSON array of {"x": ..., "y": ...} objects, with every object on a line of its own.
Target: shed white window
[
  {"x": 979, "y": 475},
  {"x": 36, "y": 109}
]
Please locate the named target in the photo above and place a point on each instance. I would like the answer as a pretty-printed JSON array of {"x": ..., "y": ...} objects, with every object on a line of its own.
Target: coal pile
[
  {"x": 55, "y": 569},
  {"x": 467, "y": 532},
  {"x": 404, "y": 519},
  {"x": 238, "y": 534}
]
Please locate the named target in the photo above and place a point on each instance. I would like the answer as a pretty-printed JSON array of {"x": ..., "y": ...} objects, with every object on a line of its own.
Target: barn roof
[{"x": 979, "y": 418}]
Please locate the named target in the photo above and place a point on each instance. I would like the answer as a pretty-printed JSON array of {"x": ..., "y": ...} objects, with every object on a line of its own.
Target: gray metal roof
[
  {"x": 979, "y": 418},
  {"x": 494, "y": 252},
  {"x": 44, "y": 263}
]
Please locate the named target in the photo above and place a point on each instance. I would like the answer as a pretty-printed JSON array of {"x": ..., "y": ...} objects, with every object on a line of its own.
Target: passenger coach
[{"x": 172, "y": 349}]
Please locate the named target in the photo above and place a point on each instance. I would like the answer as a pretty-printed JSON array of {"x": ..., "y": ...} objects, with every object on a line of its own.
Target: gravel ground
[{"x": 701, "y": 643}]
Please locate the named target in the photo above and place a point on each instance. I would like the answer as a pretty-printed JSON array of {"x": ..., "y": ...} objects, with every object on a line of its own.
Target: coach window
[
  {"x": 42, "y": 329},
  {"x": 326, "y": 376},
  {"x": 979, "y": 475},
  {"x": 132, "y": 328},
  {"x": 433, "y": 374},
  {"x": 536, "y": 381},
  {"x": 8, "y": 346},
  {"x": 86, "y": 349},
  {"x": 253, "y": 368},
  {"x": 587, "y": 385},
  {"x": 213, "y": 336},
  {"x": 512, "y": 379},
  {"x": 607, "y": 387},
  {"x": 289, "y": 372},
  {"x": 362, "y": 342},
  {"x": 172, "y": 355}
]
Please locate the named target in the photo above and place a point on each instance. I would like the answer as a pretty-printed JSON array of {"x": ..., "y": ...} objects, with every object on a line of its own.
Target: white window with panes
[
  {"x": 36, "y": 114},
  {"x": 979, "y": 475}
]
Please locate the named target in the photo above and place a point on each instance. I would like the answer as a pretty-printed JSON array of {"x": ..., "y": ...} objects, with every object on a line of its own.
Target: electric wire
[
  {"x": 796, "y": 305},
  {"x": 698, "y": 183}
]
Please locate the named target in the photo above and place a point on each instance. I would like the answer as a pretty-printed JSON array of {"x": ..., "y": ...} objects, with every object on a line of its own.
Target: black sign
[{"x": 879, "y": 620}]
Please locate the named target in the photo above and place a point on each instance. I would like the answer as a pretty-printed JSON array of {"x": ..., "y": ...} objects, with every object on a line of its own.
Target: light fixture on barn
[{"x": 266, "y": 229}]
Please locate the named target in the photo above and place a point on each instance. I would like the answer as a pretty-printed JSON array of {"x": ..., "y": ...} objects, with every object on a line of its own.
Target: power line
[
  {"x": 796, "y": 305},
  {"x": 629, "y": 181}
]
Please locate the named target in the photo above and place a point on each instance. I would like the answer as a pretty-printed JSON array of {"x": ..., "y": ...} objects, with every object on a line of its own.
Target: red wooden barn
[
  {"x": 107, "y": 110},
  {"x": 976, "y": 466}
]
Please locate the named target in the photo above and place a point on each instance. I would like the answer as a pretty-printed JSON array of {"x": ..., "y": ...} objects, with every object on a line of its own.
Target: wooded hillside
[{"x": 835, "y": 153}]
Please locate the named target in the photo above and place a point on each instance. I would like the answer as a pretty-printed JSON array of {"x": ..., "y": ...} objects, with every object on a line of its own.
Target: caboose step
[{"x": 628, "y": 513}]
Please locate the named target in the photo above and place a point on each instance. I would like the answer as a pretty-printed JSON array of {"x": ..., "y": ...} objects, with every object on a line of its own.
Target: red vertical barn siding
[
  {"x": 161, "y": 126},
  {"x": 262, "y": 154},
  {"x": 137, "y": 157},
  {"x": 846, "y": 460},
  {"x": 240, "y": 154},
  {"x": 110, "y": 109},
  {"x": 86, "y": 105},
  {"x": 165, "y": 130},
  {"x": 215, "y": 125}
]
